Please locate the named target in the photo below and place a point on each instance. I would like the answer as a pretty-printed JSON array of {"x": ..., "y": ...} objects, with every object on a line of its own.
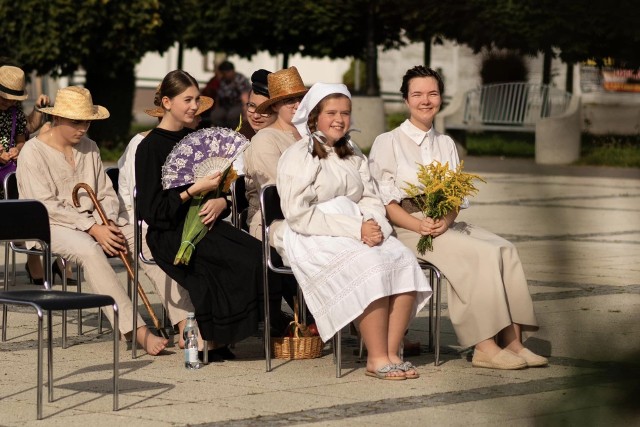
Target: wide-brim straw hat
[
  {"x": 12, "y": 83},
  {"x": 205, "y": 103},
  {"x": 283, "y": 84},
  {"x": 75, "y": 103}
]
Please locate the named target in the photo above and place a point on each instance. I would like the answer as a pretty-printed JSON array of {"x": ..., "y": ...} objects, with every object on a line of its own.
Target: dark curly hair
[{"x": 420, "y": 71}]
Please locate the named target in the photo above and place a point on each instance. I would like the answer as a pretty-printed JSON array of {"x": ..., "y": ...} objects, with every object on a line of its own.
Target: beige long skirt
[{"x": 487, "y": 288}]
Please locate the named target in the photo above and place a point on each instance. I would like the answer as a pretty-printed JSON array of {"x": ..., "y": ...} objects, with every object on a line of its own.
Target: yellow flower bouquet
[{"x": 440, "y": 191}]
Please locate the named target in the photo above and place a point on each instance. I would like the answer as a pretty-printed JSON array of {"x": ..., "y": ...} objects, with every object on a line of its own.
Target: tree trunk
[
  {"x": 373, "y": 87},
  {"x": 115, "y": 90},
  {"x": 285, "y": 60},
  {"x": 427, "y": 51},
  {"x": 568, "y": 83},
  {"x": 546, "y": 67}
]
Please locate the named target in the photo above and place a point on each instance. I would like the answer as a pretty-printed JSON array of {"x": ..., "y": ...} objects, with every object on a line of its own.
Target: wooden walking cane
[{"x": 122, "y": 254}]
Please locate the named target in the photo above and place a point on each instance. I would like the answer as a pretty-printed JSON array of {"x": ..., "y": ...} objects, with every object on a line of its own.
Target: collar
[{"x": 417, "y": 135}]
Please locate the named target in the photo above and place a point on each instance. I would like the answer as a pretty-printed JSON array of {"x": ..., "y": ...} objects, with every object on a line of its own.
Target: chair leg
[
  {"x": 438, "y": 310},
  {"x": 78, "y": 281},
  {"x": 337, "y": 343},
  {"x": 39, "y": 369},
  {"x": 116, "y": 356},
  {"x": 6, "y": 288},
  {"x": 50, "y": 353},
  {"x": 205, "y": 353},
  {"x": 134, "y": 299},
  {"x": 64, "y": 312}
]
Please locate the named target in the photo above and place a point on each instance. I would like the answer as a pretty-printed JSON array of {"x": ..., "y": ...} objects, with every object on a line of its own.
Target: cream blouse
[
  {"x": 44, "y": 174},
  {"x": 304, "y": 180},
  {"x": 395, "y": 156}
]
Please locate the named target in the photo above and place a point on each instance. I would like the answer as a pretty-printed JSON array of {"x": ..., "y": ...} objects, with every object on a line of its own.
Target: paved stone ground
[{"x": 578, "y": 233}]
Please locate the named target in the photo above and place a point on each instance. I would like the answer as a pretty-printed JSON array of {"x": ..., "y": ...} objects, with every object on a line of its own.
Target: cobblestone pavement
[{"x": 578, "y": 233}]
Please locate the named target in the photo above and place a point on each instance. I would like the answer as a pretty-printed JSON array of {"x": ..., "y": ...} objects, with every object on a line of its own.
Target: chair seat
[{"x": 57, "y": 300}]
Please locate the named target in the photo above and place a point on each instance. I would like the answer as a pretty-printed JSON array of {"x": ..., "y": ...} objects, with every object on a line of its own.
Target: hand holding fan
[{"x": 202, "y": 153}]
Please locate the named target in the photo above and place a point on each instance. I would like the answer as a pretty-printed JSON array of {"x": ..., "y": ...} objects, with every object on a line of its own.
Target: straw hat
[
  {"x": 283, "y": 84},
  {"x": 12, "y": 83},
  {"x": 205, "y": 104},
  {"x": 74, "y": 102}
]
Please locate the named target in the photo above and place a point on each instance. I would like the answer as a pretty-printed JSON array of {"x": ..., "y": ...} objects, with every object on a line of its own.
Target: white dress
[{"x": 324, "y": 203}]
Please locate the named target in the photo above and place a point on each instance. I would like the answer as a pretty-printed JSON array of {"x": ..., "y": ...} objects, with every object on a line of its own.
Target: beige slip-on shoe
[
  {"x": 533, "y": 360},
  {"x": 505, "y": 359}
]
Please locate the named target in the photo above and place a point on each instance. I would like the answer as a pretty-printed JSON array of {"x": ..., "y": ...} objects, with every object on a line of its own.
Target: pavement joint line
[{"x": 415, "y": 402}]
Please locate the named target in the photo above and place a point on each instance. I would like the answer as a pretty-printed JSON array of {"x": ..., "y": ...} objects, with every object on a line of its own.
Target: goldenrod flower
[{"x": 440, "y": 191}]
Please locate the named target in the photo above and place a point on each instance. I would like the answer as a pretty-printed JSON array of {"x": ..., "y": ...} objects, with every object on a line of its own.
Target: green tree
[
  {"x": 578, "y": 30},
  {"x": 331, "y": 28},
  {"x": 105, "y": 38}
]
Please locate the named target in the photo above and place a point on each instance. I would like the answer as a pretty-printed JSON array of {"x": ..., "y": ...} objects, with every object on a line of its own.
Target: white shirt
[{"x": 395, "y": 156}]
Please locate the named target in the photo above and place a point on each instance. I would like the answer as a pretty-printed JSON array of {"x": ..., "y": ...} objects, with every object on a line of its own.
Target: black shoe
[
  {"x": 57, "y": 272},
  {"x": 224, "y": 352},
  {"x": 38, "y": 282},
  {"x": 213, "y": 356}
]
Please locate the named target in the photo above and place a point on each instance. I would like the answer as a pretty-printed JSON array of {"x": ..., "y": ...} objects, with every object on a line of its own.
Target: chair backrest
[
  {"x": 270, "y": 205},
  {"x": 10, "y": 186},
  {"x": 138, "y": 229},
  {"x": 113, "y": 173},
  {"x": 239, "y": 203},
  {"x": 28, "y": 220},
  {"x": 271, "y": 211}
]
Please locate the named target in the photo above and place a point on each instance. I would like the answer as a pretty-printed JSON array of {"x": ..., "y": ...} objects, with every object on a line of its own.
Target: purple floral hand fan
[{"x": 202, "y": 153}]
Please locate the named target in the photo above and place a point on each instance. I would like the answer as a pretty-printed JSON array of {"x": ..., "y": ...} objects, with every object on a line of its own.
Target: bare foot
[
  {"x": 152, "y": 344},
  {"x": 181, "y": 325}
]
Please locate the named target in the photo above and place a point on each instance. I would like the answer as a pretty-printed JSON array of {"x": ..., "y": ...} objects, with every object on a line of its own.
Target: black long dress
[{"x": 225, "y": 271}]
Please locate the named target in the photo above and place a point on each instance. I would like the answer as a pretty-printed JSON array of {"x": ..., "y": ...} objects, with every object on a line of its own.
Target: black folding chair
[
  {"x": 271, "y": 211},
  {"x": 10, "y": 186},
  {"x": 30, "y": 222},
  {"x": 239, "y": 204}
]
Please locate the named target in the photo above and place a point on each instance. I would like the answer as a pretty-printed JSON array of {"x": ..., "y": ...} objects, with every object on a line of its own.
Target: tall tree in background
[
  {"x": 332, "y": 28},
  {"x": 575, "y": 30},
  {"x": 105, "y": 38}
]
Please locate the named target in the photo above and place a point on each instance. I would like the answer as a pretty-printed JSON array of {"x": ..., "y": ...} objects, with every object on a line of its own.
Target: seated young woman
[
  {"x": 488, "y": 296},
  {"x": 50, "y": 166},
  {"x": 225, "y": 270},
  {"x": 337, "y": 239}
]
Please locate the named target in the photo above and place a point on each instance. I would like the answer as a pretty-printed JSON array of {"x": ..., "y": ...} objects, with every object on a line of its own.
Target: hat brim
[
  {"x": 205, "y": 103},
  {"x": 14, "y": 97},
  {"x": 264, "y": 107},
  {"x": 99, "y": 113}
]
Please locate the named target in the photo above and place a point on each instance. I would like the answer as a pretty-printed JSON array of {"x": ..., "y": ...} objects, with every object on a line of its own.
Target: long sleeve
[
  {"x": 159, "y": 208},
  {"x": 383, "y": 165},
  {"x": 44, "y": 175},
  {"x": 371, "y": 204},
  {"x": 127, "y": 176},
  {"x": 297, "y": 172}
]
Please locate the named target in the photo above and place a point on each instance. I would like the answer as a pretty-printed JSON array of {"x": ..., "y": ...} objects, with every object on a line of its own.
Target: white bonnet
[{"x": 317, "y": 92}]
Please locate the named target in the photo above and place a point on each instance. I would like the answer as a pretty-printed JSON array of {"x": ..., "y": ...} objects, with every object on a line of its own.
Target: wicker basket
[{"x": 297, "y": 347}]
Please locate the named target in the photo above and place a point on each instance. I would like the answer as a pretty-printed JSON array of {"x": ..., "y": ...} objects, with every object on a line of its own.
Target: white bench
[{"x": 503, "y": 107}]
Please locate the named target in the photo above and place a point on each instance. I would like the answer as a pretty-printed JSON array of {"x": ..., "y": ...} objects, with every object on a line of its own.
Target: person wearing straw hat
[
  {"x": 174, "y": 297},
  {"x": 13, "y": 122},
  {"x": 14, "y": 130},
  {"x": 337, "y": 239},
  {"x": 286, "y": 90},
  {"x": 50, "y": 166}
]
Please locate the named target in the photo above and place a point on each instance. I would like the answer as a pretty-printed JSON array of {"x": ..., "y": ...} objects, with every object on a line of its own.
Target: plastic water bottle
[{"x": 190, "y": 335}]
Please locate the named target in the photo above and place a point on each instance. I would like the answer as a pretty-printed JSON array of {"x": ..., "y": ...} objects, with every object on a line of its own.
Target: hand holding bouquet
[{"x": 440, "y": 191}]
